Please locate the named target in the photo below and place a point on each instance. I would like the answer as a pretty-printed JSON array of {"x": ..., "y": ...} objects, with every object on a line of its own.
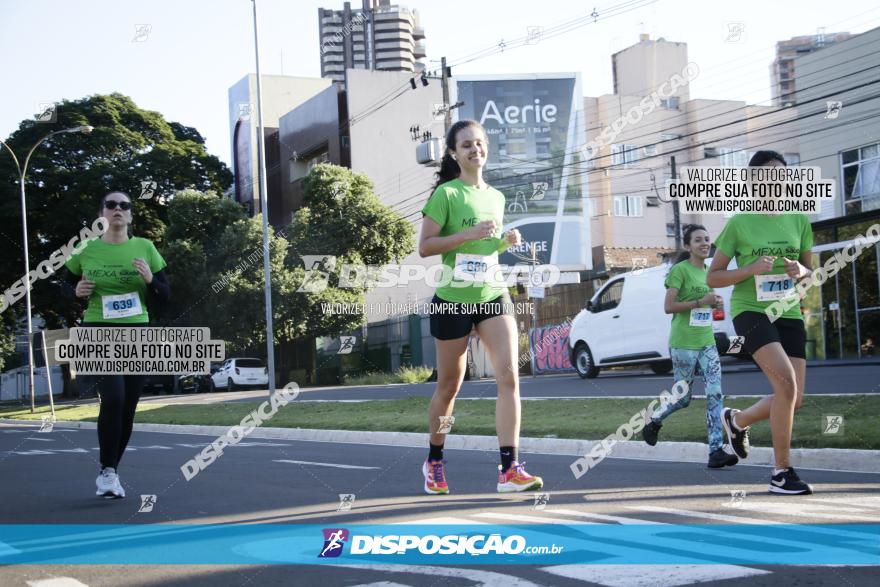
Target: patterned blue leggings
[{"x": 684, "y": 363}]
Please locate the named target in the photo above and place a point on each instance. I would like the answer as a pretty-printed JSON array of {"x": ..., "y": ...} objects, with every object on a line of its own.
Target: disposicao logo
[{"x": 334, "y": 541}]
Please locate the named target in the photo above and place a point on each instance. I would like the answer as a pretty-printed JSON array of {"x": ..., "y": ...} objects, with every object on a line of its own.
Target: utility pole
[
  {"x": 444, "y": 82},
  {"x": 676, "y": 219},
  {"x": 264, "y": 212}
]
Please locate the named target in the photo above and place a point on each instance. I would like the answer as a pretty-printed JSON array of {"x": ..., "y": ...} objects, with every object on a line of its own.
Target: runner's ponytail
[{"x": 449, "y": 170}]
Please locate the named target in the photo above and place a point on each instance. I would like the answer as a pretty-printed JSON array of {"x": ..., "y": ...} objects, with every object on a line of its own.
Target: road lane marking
[
  {"x": 204, "y": 444},
  {"x": 29, "y": 452},
  {"x": 334, "y": 465}
]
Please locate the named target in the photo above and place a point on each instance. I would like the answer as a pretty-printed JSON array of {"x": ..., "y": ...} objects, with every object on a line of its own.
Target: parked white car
[
  {"x": 624, "y": 324},
  {"x": 238, "y": 373}
]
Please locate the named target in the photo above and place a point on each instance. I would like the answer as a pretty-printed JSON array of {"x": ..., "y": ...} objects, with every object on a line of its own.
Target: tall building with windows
[
  {"x": 378, "y": 35},
  {"x": 782, "y": 70},
  {"x": 281, "y": 94},
  {"x": 631, "y": 223}
]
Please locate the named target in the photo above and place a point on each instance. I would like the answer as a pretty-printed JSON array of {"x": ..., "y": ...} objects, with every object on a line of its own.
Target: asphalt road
[
  {"x": 49, "y": 479},
  {"x": 738, "y": 379}
]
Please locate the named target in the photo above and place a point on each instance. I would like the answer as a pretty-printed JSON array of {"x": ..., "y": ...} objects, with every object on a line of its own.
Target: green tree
[
  {"x": 343, "y": 218},
  {"x": 69, "y": 173},
  {"x": 215, "y": 265},
  {"x": 7, "y": 338},
  {"x": 215, "y": 261}
]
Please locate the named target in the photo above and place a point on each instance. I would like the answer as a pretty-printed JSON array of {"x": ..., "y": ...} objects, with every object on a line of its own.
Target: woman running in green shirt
[
  {"x": 772, "y": 253},
  {"x": 115, "y": 274},
  {"x": 462, "y": 221},
  {"x": 692, "y": 342}
]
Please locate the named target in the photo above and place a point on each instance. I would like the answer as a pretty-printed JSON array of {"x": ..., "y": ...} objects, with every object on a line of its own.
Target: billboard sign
[{"x": 535, "y": 126}]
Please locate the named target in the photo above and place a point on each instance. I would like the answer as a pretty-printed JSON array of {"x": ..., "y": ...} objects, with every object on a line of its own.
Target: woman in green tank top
[{"x": 692, "y": 342}]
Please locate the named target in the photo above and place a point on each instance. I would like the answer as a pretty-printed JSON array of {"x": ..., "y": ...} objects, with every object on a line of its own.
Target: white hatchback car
[
  {"x": 624, "y": 324},
  {"x": 237, "y": 373}
]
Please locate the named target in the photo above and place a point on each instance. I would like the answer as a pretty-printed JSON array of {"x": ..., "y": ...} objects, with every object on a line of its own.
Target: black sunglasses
[{"x": 111, "y": 205}]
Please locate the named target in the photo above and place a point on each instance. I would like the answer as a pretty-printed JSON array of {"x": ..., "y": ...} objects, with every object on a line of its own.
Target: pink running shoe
[
  {"x": 435, "y": 477},
  {"x": 516, "y": 479}
]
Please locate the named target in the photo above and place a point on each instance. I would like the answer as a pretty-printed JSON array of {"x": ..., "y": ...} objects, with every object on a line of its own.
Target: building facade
[
  {"x": 631, "y": 223},
  {"x": 280, "y": 95},
  {"x": 783, "y": 72},
  {"x": 840, "y": 134},
  {"x": 378, "y": 36}
]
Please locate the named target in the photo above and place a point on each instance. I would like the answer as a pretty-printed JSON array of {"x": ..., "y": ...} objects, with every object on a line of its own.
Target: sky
[{"x": 196, "y": 49}]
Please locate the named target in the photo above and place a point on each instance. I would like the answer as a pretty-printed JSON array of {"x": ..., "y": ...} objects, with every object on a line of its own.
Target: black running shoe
[
  {"x": 788, "y": 483},
  {"x": 650, "y": 432},
  {"x": 719, "y": 458},
  {"x": 738, "y": 439}
]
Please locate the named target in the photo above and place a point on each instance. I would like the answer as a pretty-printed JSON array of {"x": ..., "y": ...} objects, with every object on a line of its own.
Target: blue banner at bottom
[{"x": 551, "y": 544}]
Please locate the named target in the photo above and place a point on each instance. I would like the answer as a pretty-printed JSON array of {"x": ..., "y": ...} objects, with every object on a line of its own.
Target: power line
[
  {"x": 495, "y": 171},
  {"x": 684, "y": 114},
  {"x": 685, "y": 148}
]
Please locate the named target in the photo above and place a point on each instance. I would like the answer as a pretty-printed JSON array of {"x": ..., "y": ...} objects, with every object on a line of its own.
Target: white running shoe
[{"x": 108, "y": 484}]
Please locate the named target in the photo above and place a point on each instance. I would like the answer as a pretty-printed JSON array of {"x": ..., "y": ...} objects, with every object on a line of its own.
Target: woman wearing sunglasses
[{"x": 114, "y": 273}]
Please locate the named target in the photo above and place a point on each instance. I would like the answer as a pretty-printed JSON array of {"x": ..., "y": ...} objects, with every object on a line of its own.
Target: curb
[{"x": 831, "y": 459}]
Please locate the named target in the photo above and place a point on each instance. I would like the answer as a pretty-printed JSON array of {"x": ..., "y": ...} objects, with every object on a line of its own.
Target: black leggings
[{"x": 119, "y": 399}]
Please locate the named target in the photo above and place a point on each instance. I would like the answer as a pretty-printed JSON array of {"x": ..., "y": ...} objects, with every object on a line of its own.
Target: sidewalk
[{"x": 831, "y": 459}]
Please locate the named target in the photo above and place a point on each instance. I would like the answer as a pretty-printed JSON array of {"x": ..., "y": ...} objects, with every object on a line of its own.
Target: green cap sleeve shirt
[
  {"x": 110, "y": 267},
  {"x": 747, "y": 237},
  {"x": 458, "y": 207},
  {"x": 690, "y": 282}
]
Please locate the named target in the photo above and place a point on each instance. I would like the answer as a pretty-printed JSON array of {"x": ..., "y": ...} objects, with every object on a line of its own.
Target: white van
[{"x": 624, "y": 324}]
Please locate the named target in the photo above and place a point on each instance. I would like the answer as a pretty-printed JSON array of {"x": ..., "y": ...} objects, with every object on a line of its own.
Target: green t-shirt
[
  {"x": 748, "y": 237},
  {"x": 457, "y": 207},
  {"x": 690, "y": 282},
  {"x": 110, "y": 267}
]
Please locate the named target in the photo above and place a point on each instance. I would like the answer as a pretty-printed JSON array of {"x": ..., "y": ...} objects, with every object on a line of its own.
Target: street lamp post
[
  {"x": 22, "y": 171},
  {"x": 264, "y": 211}
]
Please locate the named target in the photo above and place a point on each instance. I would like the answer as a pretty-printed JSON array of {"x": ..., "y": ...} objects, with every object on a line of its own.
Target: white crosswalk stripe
[
  {"x": 704, "y": 515},
  {"x": 861, "y": 501},
  {"x": 652, "y": 575},
  {"x": 737, "y": 519},
  {"x": 602, "y": 517},
  {"x": 525, "y": 518},
  {"x": 57, "y": 582},
  {"x": 444, "y": 520},
  {"x": 812, "y": 510},
  {"x": 480, "y": 578}
]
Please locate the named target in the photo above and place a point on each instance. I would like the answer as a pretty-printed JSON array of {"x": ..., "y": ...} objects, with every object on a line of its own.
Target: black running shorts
[
  {"x": 450, "y": 321},
  {"x": 759, "y": 331}
]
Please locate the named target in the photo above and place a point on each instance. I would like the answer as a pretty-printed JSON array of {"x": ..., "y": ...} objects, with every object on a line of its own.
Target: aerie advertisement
[{"x": 534, "y": 124}]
